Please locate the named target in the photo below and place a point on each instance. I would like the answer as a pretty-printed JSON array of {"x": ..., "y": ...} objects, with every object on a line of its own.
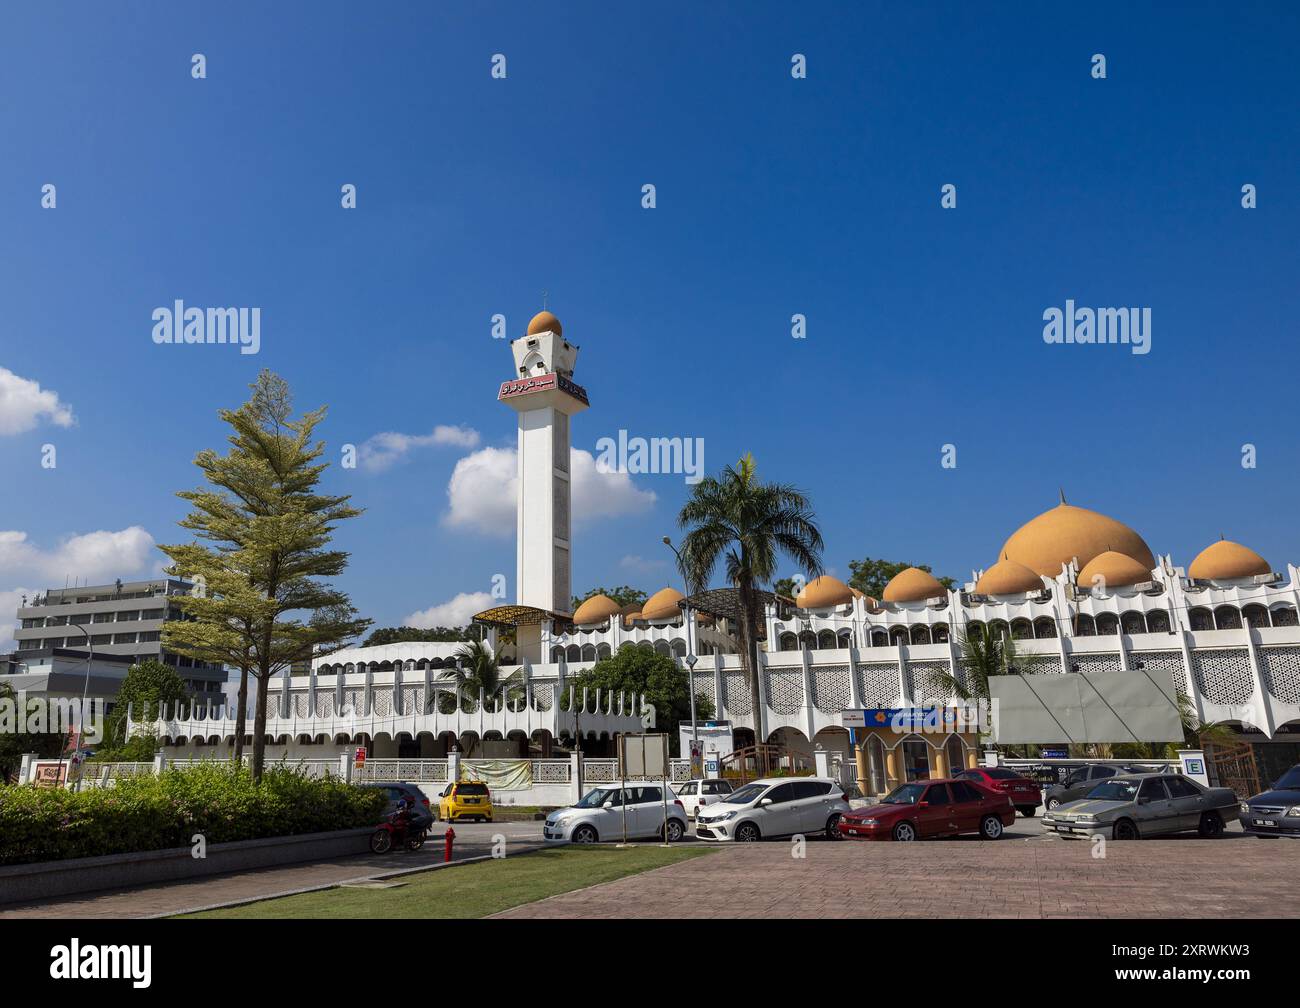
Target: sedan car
[
  {"x": 1145, "y": 805},
  {"x": 608, "y": 809},
  {"x": 696, "y": 794},
  {"x": 937, "y": 808},
  {"x": 775, "y": 807},
  {"x": 1025, "y": 794},
  {"x": 1276, "y": 812},
  {"x": 1080, "y": 780}
]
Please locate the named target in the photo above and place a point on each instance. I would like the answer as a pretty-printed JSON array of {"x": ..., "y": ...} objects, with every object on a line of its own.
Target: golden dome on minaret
[{"x": 544, "y": 321}]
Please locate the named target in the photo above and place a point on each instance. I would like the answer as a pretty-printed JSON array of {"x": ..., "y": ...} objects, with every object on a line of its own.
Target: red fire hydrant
[{"x": 448, "y": 837}]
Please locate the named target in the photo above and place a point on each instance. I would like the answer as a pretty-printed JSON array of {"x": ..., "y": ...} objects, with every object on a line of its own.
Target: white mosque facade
[{"x": 1078, "y": 591}]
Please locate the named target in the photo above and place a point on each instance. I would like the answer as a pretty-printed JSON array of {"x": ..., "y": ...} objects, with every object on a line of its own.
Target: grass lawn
[{"x": 474, "y": 890}]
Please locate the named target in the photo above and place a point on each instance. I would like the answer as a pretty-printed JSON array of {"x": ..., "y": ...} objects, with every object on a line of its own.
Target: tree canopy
[
  {"x": 624, "y": 595},
  {"x": 637, "y": 670}
]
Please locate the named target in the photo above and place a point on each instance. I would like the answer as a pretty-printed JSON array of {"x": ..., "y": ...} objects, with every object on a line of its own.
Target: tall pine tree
[{"x": 260, "y": 558}]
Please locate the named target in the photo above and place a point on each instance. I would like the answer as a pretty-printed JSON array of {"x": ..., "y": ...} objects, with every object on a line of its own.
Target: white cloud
[
  {"x": 456, "y": 612},
  {"x": 640, "y": 565},
  {"x": 23, "y": 403},
  {"x": 93, "y": 557},
  {"x": 484, "y": 488},
  {"x": 383, "y": 451}
]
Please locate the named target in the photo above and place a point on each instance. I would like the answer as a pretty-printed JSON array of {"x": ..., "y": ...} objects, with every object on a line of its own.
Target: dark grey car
[
  {"x": 1276, "y": 812},
  {"x": 1144, "y": 805},
  {"x": 1078, "y": 781},
  {"x": 421, "y": 816}
]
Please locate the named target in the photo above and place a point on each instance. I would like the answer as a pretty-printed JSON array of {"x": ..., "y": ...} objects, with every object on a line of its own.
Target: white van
[{"x": 775, "y": 807}]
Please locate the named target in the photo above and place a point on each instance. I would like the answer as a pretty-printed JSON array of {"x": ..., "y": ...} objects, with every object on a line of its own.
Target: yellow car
[{"x": 465, "y": 800}]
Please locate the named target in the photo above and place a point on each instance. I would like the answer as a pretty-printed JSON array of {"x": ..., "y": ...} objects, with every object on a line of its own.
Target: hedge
[{"x": 218, "y": 800}]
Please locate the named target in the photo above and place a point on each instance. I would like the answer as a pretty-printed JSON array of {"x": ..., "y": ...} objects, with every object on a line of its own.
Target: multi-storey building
[{"x": 120, "y": 619}]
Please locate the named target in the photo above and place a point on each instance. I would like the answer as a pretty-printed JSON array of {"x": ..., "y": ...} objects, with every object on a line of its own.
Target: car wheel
[
  {"x": 905, "y": 831},
  {"x": 748, "y": 833},
  {"x": 1126, "y": 829},
  {"x": 1028, "y": 811},
  {"x": 1211, "y": 825},
  {"x": 1053, "y": 804},
  {"x": 674, "y": 831},
  {"x": 991, "y": 828},
  {"x": 585, "y": 834},
  {"x": 833, "y": 827}
]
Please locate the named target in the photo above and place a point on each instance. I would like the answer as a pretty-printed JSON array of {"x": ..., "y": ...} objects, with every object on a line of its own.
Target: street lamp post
[
  {"x": 691, "y": 659},
  {"x": 90, "y": 654}
]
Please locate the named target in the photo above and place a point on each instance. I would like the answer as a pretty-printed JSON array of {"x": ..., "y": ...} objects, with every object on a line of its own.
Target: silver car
[{"x": 1145, "y": 805}]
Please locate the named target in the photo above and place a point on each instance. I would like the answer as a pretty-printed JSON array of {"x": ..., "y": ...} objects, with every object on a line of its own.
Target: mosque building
[{"x": 1083, "y": 597}]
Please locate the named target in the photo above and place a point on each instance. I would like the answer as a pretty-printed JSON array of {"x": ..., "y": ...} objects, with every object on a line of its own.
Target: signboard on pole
[
  {"x": 643, "y": 756},
  {"x": 360, "y": 758}
]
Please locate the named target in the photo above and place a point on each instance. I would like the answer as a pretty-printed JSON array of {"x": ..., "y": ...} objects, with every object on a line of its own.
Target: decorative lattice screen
[
  {"x": 1281, "y": 667},
  {"x": 1223, "y": 675}
]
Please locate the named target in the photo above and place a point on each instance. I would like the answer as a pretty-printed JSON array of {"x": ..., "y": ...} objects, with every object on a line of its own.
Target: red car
[
  {"x": 1025, "y": 794},
  {"x": 931, "y": 808}
]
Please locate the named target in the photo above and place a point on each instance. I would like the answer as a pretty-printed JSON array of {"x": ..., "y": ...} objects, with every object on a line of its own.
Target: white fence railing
[{"x": 432, "y": 771}]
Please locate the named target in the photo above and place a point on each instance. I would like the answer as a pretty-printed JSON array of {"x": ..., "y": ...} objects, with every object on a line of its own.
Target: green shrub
[{"x": 218, "y": 800}]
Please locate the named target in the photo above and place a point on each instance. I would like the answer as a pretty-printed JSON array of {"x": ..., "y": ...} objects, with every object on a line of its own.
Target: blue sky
[{"x": 775, "y": 196}]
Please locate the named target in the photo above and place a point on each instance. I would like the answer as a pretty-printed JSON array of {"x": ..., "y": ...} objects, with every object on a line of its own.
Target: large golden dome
[
  {"x": 1117, "y": 570},
  {"x": 823, "y": 592},
  {"x": 662, "y": 605},
  {"x": 544, "y": 321},
  {"x": 913, "y": 585},
  {"x": 1226, "y": 560},
  {"x": 596, "y": 609},
  {"x": 1006, "y": 577},
  {"x": 1060, "y": 535}
]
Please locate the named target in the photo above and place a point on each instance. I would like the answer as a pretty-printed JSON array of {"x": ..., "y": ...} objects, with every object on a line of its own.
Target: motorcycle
[{"x": 394, "y": 834}]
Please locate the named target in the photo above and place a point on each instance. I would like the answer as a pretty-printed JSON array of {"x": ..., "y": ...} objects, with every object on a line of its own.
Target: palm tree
[
  {"x": 982, "y": 652},
  {"x": 477, "y": 670},
  {"x": 747, "y": 524}
]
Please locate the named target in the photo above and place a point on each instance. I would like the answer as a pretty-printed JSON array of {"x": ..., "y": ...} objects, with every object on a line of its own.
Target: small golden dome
[
  {"x": 1057, "y": 536},
  {"x": 1006, "y": 577},
  {"x": 1116, "y": 569},
  {"x": 823, "y": 592},
  {"x": 1226, "y": 560},
  {"x": 662, "y": 605},
  {"x": 913, "y": 585},
  {"x": 596, "y": 609},
  {"x": 544, "y": 321},
  {"x": 630, "y": 617}
]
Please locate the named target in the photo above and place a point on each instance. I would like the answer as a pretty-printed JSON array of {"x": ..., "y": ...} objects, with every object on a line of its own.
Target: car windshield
[
  {"x": 596, "y": 797},
  {"x": 1115, "y": 790},
  {"x": 1290, "y": 780},
  {"x": 746, "y": 794},
  {"x": 905, "y": 794}
]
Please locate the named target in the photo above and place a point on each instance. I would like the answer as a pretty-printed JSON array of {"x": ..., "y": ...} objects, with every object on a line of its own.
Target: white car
[
  {"x": 599, "y": 816},
  {"x": 775, "y": 807},
  {"x": 695, "y": 794}
]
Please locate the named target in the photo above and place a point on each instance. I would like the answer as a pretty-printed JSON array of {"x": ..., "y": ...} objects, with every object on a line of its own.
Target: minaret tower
[{"x": 545, "y": 396}]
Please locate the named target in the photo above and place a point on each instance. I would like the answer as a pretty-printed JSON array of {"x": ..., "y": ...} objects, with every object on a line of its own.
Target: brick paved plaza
[{"x": 1026, "y": 878}]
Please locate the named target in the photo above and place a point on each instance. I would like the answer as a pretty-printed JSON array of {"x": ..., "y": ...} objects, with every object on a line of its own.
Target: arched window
[
  {"x": 603, "y": 651},
  {"x": 879, "y": 638},
  {"x": 1157, "y": 621},
  {"x": 789, "y": 642},
  {"x": 573, "y": 653},
  {"x": 1227, "y": 617},
  {"x": 1256, "y": 615},
  {"x": 1201, "y": 619},
  {"x": 808, "y": 639},
  {"x": 679, "y": 648},
  {"x": 844, "y": 639},
  {"x": 589, "y": 652},
  {"x": 661, "y": 647},
  {"x": 916, "y": 758},
  {"x": 557, "y": 654},
  {"x": 939, "y": 633},
  {"x": 1133, "y": 623},
  {"x": 956, "y": 753},
  {"x": 826, "y": 640},
  {"x": 877, "y": 776},
  {"x": 898, "y": 635},
  {"x": 1107, "y": 625},
  {"x": 1284, "y": 616},
  {"x": 1021, "y": 629},
  {"x": 920, "y": 635},
  {"x": 1044, "y": 628}
]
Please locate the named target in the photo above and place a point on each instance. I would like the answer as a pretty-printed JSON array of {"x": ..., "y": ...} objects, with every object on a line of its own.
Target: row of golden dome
[{"x": 1105, "y": 547}]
